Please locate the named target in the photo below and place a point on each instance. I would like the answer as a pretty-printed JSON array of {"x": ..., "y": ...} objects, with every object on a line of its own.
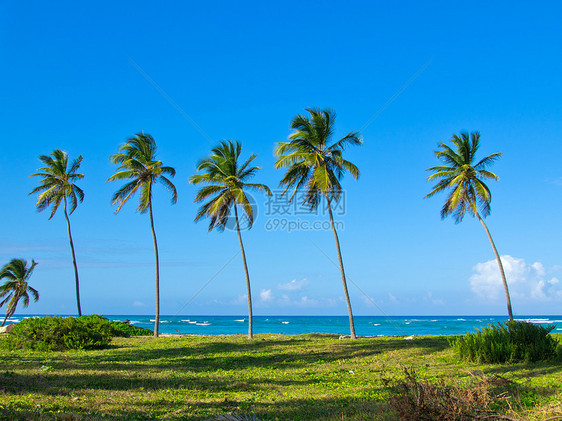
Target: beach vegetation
[
  {"x": 274, "y": 377},
  {"x": 59, "y": 334},
  {"x": 137, "y": 162},
  {"x": 57, "y": 185},
  {"x": 225, "y": 185},
  {"x": 125, "y": 329},
  {"x": 462, "y": 177},
  {"x": 121, "y": 328},
  {"x": 16, "y": 287},
  {"x": 511, "y": 341},
  {"x": 315, "y": 163}
]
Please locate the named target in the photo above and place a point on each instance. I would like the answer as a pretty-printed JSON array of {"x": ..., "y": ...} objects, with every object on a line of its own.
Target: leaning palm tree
[
  {"x": 16, "y": 287},
  {"x": 224, "y": 180},
  {"x": 467, "y": 192},
  {"x": 315, "y": 163},
  {"x": 137, "y": 162},
  {"x": 56, "y": 187}
]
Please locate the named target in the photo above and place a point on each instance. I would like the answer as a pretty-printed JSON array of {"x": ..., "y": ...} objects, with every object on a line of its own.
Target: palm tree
[
  {"x": 56, "y": 186},
  {"x": 315, "y": 163},
  {"x": 16, "y": 287},
  {"x": 463, "y": 180},
  {"x": 225, "y": 185},
  {"x": 137, "y": 162}
]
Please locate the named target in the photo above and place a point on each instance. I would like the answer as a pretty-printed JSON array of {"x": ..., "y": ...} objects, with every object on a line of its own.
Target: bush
[
  {"x": 119, "y": 329},
  {"x": 59, "y": 334},
  {"x": 415, "y": 399},
  {"x": 510, "y": 341},
  {"x": 125, "y": 330}
]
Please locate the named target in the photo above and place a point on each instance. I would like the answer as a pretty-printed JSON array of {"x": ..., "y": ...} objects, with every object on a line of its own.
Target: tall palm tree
[
  {"x": 463, "y": 179},
  {"x": 315, "y": 163},
  {"x": 137, "y": 162},
  {"x": 56, "y": 186},
  {"x": 16, "y": 287},
  {"x": 224, "y": 180}
]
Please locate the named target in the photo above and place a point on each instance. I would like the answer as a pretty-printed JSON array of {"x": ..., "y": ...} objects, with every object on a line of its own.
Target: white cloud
[
  {"x": 294, "y": 285},
  {"x": 266, "y": 295},
  {"x": 139, "y": 304},
  {"x": 241, "y": 299},
  {"x": 306, "y": 302},
  {"x": 435, "y": 301},
  {"x": 524, "y": 280}
]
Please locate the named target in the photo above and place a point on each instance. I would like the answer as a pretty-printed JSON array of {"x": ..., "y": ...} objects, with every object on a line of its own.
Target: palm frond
[
  {"x": 487, "y": 161},
  {"x": 311, "y": 161},
  {"x": 352, "y": 138},
  {"x": 461, "y": 178},
  {"x": 17, "y": 272},
  {"x": 56, "y": 182},
  {"x": 122, "y": 195},
  {"x": 136, "y": 160},
  {"x": 170, "y": 187},
  {"x": 259, "y": 187},
  {"x": 224, "y": 179}
]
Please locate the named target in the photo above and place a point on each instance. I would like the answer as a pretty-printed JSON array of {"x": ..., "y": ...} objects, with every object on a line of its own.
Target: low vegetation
[
  {"x": 67, "y": 333},
  {"x": 125, "y": 330},
  {"x": 273, "y": 377},
  {"x": 59, "y": 334},
  {"x": 511, "y": 341}
]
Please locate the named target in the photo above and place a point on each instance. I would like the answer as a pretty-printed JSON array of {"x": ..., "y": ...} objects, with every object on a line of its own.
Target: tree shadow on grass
[
  {"x": 199, "y": 356},
  {"x": 527, "y": 370},
  {"x": 69, "y": 383},
  {"x": 314, "y": 408}
]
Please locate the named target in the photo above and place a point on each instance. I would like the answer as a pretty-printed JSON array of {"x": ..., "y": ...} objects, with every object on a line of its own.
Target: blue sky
[{"x": 241, "y": 71}]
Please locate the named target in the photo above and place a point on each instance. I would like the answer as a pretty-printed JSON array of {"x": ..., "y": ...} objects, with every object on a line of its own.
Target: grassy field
[{"x": 274, "y": 377}]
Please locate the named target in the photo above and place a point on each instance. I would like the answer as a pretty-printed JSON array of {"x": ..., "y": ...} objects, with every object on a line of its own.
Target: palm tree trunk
[
  {"x": 73, "y": 260},
  {"x": 250, "y": 315},
  {"x": 351, "y": 325},
  {"x": 502, "y": 273},
  {"x": 157, "y": 264},
  {"x": 11, "y": 309}
]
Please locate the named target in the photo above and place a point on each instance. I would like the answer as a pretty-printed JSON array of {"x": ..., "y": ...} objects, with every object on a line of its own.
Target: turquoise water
[{"x": 294, "y": 325}]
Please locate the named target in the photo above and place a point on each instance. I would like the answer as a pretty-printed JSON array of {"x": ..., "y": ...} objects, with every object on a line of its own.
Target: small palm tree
[
  {"x": 137, "y": 162},
  {"x": 56, "y": 187},
  {"x": 225, "y": 185},
  {"x": 467, "y": 192},
  {"x": 315, "y": 163},
  {"x": 16, "y": 287}
]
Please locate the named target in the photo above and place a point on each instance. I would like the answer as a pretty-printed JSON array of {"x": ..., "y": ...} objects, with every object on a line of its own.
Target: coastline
[{"x": 366, "y": 326}]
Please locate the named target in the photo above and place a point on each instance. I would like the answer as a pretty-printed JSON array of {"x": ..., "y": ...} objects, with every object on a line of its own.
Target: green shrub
[
  {"x": 124, "y": 329},
  {"x": 510, "y": 341},
  {"x": 59, "y": 334},
  {"x": 120, "y": 329}
]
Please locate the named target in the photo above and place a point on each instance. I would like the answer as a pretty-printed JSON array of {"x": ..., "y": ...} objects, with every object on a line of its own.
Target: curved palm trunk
[
  {"x": 502, "y": 273},
  {"x": 11, "y": 309},
  {"x": 73, "y": 260},
  {"x": 157, "y": 264},
  {"x": 250, "y": 316},
  {"x": 351, "y": 324}
]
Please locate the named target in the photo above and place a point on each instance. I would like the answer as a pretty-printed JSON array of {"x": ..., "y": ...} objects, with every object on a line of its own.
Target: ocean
[{"x": 295, "y": 325}]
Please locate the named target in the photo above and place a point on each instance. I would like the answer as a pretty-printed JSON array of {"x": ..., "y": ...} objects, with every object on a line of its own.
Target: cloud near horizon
[
  {"x": 294, "y": 285},
  {"x": 529, "y": 281},
  {"x": 293, "y": 294}
]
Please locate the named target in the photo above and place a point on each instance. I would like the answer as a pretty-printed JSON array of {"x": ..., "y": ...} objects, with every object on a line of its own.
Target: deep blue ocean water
[{"x": 294, "y": 325}]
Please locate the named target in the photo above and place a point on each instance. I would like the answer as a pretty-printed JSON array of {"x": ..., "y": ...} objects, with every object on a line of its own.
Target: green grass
[{"x": 274, "y": 377}]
